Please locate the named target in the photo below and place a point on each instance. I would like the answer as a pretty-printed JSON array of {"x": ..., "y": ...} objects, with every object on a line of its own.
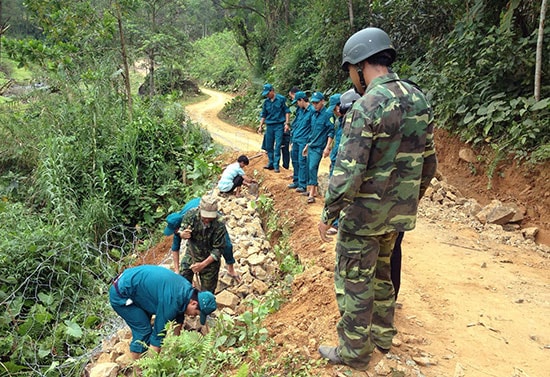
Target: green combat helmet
[
  {"x": 364, "y": 44},
  {"x": 347, "y": 99}
]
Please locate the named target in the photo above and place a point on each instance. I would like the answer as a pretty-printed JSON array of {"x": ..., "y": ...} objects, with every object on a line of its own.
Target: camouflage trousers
[
  {"x": 208, "y": 276},
  {"x": 365, "y": 296}
]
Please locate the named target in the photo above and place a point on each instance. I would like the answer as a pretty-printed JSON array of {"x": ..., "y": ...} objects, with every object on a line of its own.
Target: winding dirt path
[
  {"x": 206, "y": 113},
  {"x": 469, "y": 307}
]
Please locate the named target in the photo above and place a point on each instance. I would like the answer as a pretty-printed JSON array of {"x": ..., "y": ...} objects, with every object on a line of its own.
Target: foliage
[
  {"x": 9, "y": 70},
  {"x": 413, "y": 24},
  {"x": 72, "y": 166},
  {"x": 136, "y": 164},
  {"x": 244, "y": 109},
  {"x": 48, "y": 275},
  {"x": 219, "y": 62},
  {"x": 194, "y": 356},
  {"x": 259, "y": 26},
  {"x": 308, "y": 54},
  {"x": 202, "y": 18},
  {"x": 152, "y": 32},
  {"x": 224, "y": 346},
  {"x": 169, "y": 81},
  {"x": 486, "y": 98}
]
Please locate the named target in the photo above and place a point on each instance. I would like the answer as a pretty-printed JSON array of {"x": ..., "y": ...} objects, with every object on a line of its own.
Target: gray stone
[
  {"x": 519, "y": 215},
  {"x": 530, "y": 233},
  {"x": 468, "y": 155},
  {"x": 256, "y": 259},
  {"x": 500, "y": 215},
  {"x": 259, "y": 287},
  {"x": 227, "y": 299},
  {"x": 105, "y": 370}
]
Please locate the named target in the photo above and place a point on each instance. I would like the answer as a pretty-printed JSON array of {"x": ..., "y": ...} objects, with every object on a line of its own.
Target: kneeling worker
[
  {"x": 139, "y": 292},
  {"x": 233, "y": 177}
]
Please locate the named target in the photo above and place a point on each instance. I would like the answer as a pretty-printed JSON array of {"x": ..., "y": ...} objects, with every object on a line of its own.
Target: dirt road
[
  {"x": 206, "y": 113},
  {"x": 469, "y": 306}
]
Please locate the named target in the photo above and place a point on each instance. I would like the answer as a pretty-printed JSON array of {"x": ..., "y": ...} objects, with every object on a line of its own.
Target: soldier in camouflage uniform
[
  {"x": 205, "y": 233},
  {"x": 385, "y": 163}
]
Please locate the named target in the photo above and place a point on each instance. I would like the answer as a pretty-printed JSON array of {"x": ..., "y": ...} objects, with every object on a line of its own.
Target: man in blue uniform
[
  {"x": 140, "y": 292},
  {"x": 275, "y": 116},
  {"x": 321, "y": 135}
]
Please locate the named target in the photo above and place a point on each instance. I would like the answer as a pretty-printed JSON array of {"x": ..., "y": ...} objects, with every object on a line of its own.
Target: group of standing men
[
  {"x": 310, "y": 135},
  {"x": 380, "y": 169}
]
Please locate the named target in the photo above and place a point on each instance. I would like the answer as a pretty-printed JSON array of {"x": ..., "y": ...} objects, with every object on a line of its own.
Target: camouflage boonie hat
[{"x": 208, "y": 207}]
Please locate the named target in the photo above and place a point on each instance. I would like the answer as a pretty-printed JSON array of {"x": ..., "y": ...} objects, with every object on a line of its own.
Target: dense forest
[{"x": 94, "y": 154}]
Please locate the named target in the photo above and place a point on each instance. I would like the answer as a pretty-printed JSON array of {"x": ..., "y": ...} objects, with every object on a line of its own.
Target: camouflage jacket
[
  {"x": 204, "y": 241},
  {"x": 386, "y": 160}
]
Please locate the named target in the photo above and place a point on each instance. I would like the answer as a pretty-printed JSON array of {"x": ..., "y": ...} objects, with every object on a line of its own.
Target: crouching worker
[
  {"x": 234, "y": 177},
  {"x": 173, "y": 227},
  {"x": 139, "y": 292}
]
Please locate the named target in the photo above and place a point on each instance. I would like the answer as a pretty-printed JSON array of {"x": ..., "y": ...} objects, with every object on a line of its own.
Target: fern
[
  {"x": 243, "y": 371},
  {"x": 190, "y": 354}
]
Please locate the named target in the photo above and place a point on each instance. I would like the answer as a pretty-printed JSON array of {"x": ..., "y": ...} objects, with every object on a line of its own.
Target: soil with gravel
[{"x": 469, "y": 304}]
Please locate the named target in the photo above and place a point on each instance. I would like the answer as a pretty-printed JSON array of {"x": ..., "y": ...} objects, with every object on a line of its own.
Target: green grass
[
  {"x": 9, "y": 69},
  {"x": 191, "y": 99}
]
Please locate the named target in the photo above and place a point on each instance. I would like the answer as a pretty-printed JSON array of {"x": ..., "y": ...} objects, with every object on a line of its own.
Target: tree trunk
[
  {"x": 1, "y": 29},
  {"x": 152, "y": 51},
  {"x": 350, "y": 13},
  {"x": 151, "y": 73},
  {"x": 287, "y": 12},
  {"x": 127, "y": 83},
  {"x": 538, "y": 66}
]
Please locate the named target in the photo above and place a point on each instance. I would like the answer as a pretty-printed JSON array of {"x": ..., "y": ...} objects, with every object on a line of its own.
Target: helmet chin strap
[{"x": 362, "y": 81}]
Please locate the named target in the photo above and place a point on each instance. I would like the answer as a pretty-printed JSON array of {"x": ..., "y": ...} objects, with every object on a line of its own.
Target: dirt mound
[{"x": 526, "y": 185}]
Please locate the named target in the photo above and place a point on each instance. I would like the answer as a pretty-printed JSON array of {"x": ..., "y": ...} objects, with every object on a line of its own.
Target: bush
[
  {"x": 73, "y": 169},
  {"x": 220, "y": 63},
  {"x": 169, "y": 80},
  {"x": 482, "y": 88}
]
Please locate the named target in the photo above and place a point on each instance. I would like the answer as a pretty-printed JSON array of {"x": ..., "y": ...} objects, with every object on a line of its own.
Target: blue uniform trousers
[
  {"x": 314, "y": 156},
  {"x": 273, "y": 140}
]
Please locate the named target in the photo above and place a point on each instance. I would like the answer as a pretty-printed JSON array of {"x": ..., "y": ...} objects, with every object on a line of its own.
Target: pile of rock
[{"x": 496, "y": 221}]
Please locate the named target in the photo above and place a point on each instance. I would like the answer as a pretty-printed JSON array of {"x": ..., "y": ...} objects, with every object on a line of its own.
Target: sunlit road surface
[{"x": 236, "y": 138}]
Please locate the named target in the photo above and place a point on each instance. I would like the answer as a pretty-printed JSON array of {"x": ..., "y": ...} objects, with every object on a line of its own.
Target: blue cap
[
  {"x": 333, "y": 101},
  {"x": 317, "y": 97},
  {"x": 298, "y": 96},
  {"x": 267, "y": 88},
  {"x": 207, "y": 304},
  {"x": 174, "y": 222}
]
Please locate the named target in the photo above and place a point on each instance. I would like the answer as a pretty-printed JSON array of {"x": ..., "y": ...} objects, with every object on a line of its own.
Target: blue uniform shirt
[
  {"x": 302, "y": 129},
  {"x": 274, "y": 111},
  {"x": 156, "y": 290},
  {"x": 337, "y": 136},
  {"x": 322, "y": 127},
  {"x": 294, "y": 122}
]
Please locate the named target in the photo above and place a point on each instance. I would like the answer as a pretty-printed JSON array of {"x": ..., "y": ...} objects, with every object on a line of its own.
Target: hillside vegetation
[{"x": 89, "y": 168}]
